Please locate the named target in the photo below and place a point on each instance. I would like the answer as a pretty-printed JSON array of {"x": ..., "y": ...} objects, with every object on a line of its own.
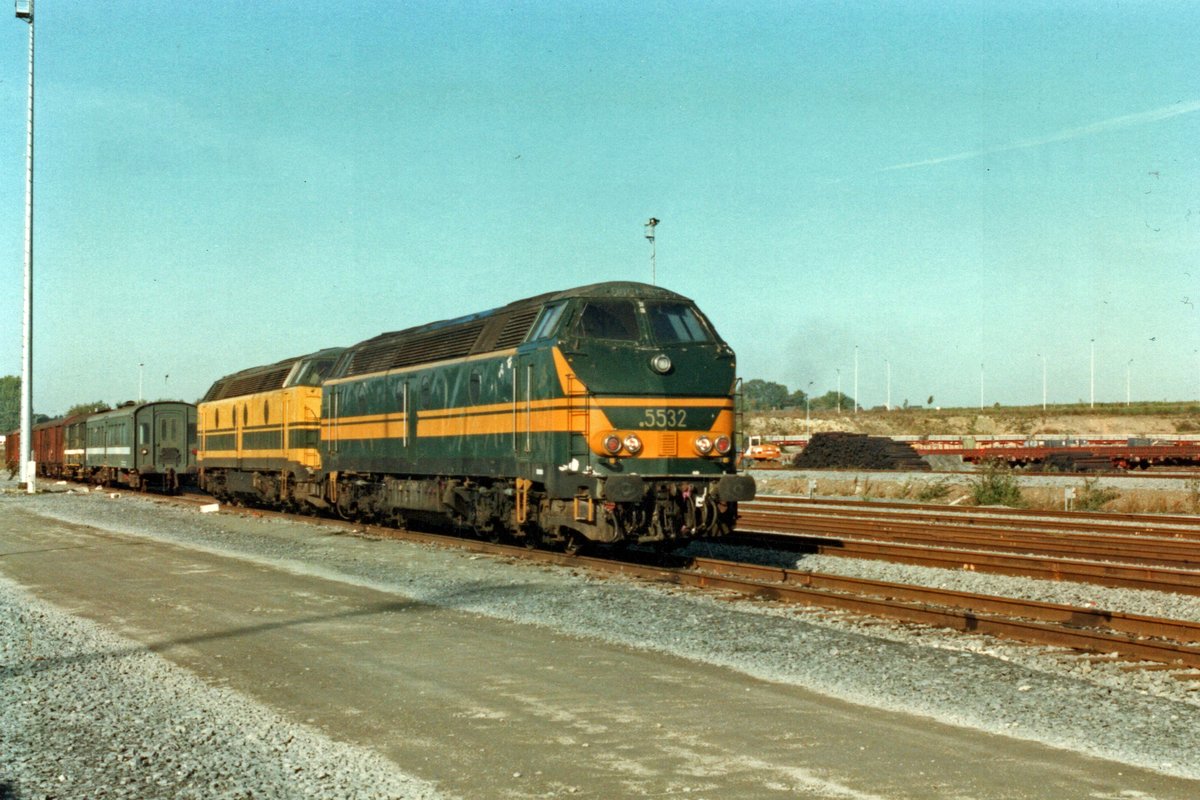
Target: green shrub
[
  {"x": 932, "y": 492},
  {"x": 995, "y": 485},
  {"x": 1092, "y": 496}
]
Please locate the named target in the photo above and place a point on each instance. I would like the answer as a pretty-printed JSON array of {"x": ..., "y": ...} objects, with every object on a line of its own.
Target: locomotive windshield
[
  {"x": 609, "y": 319},
  {"x": 675, "y": 323},
  {"x": 312, "y": 373},
  {"x": 665, "y": 322}
]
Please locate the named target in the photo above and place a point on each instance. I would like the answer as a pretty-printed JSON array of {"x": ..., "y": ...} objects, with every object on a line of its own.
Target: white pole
[
  {"x": 1043, "y": 383},
  {"x": 889, "y": 384},
  {"x": 839, "y": 395},
  {"x": 807, "y": 406},
  {"x": 651, "y": 224},
  {"x": 26, "y": 454},
  {"x": 1127, "y": 368},
  {"x": 855, "y": 379},
  {"x": 1093, "y": 390},
  {"x": 981, "y": 386}
]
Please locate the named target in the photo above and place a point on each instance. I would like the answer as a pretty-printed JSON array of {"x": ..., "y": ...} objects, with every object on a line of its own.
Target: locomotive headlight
[
  {"x": 611, "y": 444},
  {"x": 633, "y": 444},
  {"x": 704, "y": 445},
  {"x": 661, "y": 363},
  {"x": 723, "y": 445}
]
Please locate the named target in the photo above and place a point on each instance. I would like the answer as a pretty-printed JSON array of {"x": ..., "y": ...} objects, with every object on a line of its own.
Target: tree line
[
  {"x": 760, "y": 395},
  {"x": 10, "y": 406}
]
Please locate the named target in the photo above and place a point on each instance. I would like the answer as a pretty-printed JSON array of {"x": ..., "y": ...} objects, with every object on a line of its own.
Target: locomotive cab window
[
  {"x": 676, "y": 323},
  {"x": 548, "y": 321},
  {"x": 608, "y": 319},
  {"x": 312, "y": 373}
]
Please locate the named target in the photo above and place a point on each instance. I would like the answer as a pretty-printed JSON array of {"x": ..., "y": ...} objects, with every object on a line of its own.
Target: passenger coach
[{"x": 141, "y": 445}]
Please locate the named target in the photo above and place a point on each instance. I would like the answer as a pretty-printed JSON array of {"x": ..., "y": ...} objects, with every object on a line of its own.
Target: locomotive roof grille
[
  {"x": 403, "y": 349},
  {"x": 263, "y": 380},
  {"x": 488, "y": 331},
  {"x": 516, "y": 328}
]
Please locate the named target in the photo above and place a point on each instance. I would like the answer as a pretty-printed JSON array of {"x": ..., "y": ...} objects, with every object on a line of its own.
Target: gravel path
[
  {"x": 1140, "y": 718},
  {"x": 90, "y": 714}
]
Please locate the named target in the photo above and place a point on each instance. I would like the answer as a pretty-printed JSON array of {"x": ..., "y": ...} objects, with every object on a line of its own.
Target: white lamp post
[
  {"x": 1092, "y": 401},
  {"x": 855, "y": 379},
  {"x": 1043, "y": 358},
  {"x": 807, "y": 406},
  {"x": 1127, "y": 369},
  {"x": 24, "y": 10}
]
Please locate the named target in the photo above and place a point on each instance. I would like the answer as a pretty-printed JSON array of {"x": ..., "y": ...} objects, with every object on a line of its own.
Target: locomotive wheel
[{"x": 574, "y": 543}]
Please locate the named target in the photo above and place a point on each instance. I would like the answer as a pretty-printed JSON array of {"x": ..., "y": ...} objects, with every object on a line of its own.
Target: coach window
[
  {"x": 143, "y": 432},
  {"x": 475, "y": 387},
  {"x": 266, "y": 412}
]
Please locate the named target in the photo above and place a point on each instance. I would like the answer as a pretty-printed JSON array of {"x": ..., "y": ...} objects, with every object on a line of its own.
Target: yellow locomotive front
[{"x": 259, "y": 432}]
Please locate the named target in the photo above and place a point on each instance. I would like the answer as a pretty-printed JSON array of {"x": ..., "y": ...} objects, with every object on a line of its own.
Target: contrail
[{"x": 1116, "y": 123}]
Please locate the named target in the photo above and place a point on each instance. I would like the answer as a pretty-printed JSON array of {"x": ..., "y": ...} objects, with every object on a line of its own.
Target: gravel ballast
[
  {"x": 1140, "y": 718},
  {"x": 90, "y": 714}
]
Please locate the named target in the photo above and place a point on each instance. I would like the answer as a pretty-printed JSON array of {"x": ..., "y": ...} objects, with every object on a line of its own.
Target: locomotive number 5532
[{"x": 664, "y": 418}]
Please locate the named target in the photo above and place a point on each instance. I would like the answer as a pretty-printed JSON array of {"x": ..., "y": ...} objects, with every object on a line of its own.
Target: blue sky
[{"x": 956, "y": 190}]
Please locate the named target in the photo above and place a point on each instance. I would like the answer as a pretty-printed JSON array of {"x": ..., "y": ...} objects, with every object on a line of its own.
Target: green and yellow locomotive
[
  {"x": 259, "y": 432},
  {"x": 603, "y": 413}
]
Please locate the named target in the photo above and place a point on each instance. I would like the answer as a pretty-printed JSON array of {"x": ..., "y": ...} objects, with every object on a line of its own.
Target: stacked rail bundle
[
  {"x": 1083, "y": 461},
  {"x": 859, "y": 451}
]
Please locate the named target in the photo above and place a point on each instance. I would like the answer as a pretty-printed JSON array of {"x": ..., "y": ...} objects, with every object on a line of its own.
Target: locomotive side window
[
  {"x": 547, "y": 322},
  {"x": 426, "y": 393},
  {"x": 675, "y": 323},
  {"x": 609, "y": 319}
]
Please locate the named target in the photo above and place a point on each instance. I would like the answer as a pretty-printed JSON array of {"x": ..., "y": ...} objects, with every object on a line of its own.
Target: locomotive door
[{"x": 524, "y": 444}]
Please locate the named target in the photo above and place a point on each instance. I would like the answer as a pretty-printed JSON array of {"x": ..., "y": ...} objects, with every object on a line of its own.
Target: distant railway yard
[{"x": 834, "y": 646}]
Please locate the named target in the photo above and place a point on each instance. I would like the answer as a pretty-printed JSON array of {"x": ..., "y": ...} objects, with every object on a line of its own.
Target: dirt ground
[{"x": 487, "y": 708}]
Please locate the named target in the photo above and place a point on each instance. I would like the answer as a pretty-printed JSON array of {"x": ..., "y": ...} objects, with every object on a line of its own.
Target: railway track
[
  {"x": 1171, "y": 644},
  {"x": 1128, "y": 551}
]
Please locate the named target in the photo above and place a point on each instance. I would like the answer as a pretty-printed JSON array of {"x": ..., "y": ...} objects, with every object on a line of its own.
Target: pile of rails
[
  {"x": 1082, "y": 461},
  {"x": 859, "y": 451}
]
